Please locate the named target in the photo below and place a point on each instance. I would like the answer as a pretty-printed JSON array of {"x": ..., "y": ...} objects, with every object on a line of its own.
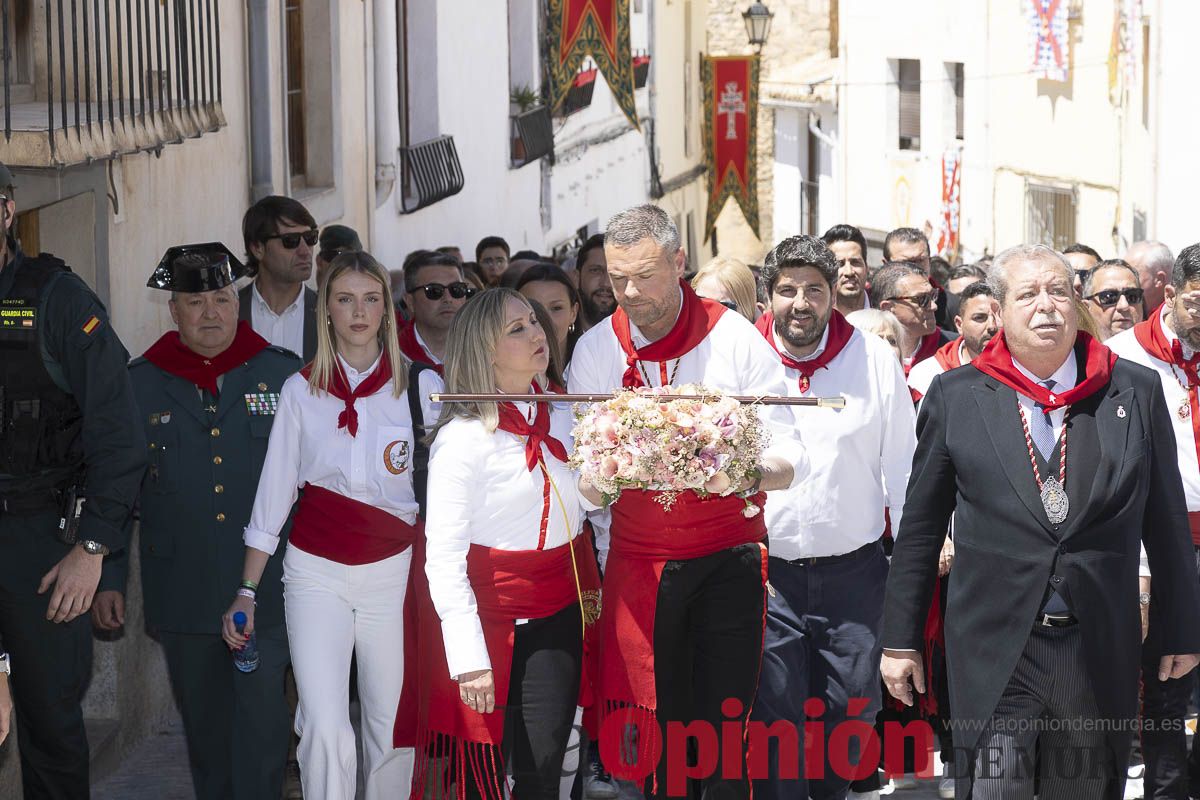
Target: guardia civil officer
[
  {"x": 71, "y": 458},
  {"x": 206, "y": 397}
]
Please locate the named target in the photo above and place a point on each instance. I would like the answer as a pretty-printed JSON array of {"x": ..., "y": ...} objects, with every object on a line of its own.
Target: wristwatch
[
  {"x": 93, "y": 548},
  {"x": 5, "y": 664},
  {"x": 1144, "y": 599}
]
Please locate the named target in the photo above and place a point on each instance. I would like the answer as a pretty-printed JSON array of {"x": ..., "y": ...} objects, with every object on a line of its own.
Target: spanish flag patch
[{"x": 90, "y": 326}]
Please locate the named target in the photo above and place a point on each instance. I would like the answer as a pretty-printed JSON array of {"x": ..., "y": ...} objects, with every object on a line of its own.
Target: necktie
[{"x": 1040, "y": 428}]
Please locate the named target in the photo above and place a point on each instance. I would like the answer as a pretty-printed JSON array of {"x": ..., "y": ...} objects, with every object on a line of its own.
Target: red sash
[
  {"x": 406, "y": 332},
  {"x": 996, "y": 361},
  {"x": 644, "y": 538},
  {"x": 697, "y": 317},
  {"x": 840, "y": 332},
  {"x": 1154, "y": 341},
  {"x": 171, "y": 355},
  {"x": 508, "y": 585},
  {"x": 929, "y": 345},
  {"x": 337, "y": 528}
]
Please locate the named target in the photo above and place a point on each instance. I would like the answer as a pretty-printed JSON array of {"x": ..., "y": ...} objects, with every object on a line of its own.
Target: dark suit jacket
[
  {"x": 310, "y": 318},
  {"x": 1124, "y": 488}
]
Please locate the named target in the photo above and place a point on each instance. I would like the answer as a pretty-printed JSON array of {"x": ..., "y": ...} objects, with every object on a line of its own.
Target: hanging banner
[
  {"x": 730, "y": 135},
  {"x": 599, "y": 28},
  {"x": 951, "y": 178},
  {"x": 1048, "y": 36}
]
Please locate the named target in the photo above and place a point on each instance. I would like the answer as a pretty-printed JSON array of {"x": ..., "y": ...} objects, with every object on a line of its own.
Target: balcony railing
[
  {"x": 109, "y": 77},
  {"x": 429, "y": 172},
  {"x": 532, "y": 136}
]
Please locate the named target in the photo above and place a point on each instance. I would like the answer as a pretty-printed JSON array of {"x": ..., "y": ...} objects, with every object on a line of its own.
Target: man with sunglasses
[
  {"x": 435, "y": 289},
  {"x": 280, "y": 237},
  {"x": 1082, "y": 259},
  {"x": 1113, "y": 293},
  {"x": 903, "y": 288}
]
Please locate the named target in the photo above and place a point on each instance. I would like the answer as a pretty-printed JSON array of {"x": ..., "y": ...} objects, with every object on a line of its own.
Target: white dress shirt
[
  {"x": 306, "y": 446},
  {"x": 733, "y": 358},
  {"x": 1064, "y": 379},
  {"x": 859, "y": 456},
  {"x": 421, "y": 341},
  {"x": 481, "y": 492},
  {"x": 282, "y": 330},
  {"x": 923, "y": 372}
]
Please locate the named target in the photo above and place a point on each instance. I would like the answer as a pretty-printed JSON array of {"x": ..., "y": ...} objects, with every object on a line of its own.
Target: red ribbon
[
  {"x": 840, "y": 332},
  {"x": 697, "y": 318},
  {"x": 996, "y": 361},
  {"x": 171, "y": 355},
  {"x": 339, "y": 387},
  {"x": 536, "y": 434}
]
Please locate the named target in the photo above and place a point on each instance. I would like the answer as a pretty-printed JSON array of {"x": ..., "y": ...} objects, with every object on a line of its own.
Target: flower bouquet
[{"x": 644, "y": 439}]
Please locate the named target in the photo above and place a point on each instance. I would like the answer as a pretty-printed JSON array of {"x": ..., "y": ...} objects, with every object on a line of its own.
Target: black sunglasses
[
  {"x": 919, "y": 300},
  {"x": 1082, "y": 274},
  {"x": 291, "y": 241},
  {"x": 434, "y": 291},
  {"x": 1110, "y": 297}
]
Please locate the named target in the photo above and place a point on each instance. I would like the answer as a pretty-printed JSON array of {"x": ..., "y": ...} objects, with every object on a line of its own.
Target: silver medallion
[
  {"x": 1185, "y": 410},
  {"x": 1054, "y": 500}
]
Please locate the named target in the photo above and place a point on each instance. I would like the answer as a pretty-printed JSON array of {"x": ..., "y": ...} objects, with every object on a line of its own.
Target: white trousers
[{"x": 334, "y": 610}]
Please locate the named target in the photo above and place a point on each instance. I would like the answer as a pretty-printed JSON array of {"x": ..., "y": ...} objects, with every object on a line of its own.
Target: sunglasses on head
[
  {"x": 434, "y": 291},
  {"x": 1110, "y": 297},
  {"x": 291, "y": 241}
]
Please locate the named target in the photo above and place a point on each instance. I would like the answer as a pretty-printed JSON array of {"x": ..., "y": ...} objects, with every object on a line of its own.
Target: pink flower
[
  {"x": 717, "y": 484},
  {"x": 751, "y": 510},
  {"x": 609, "y": 467}
]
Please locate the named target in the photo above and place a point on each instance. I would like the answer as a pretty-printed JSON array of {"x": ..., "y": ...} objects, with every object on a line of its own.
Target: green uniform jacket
[{"x": 198, "y": 492}]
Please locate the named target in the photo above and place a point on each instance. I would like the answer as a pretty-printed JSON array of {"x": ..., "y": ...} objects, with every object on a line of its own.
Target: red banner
[
  {"x": 599, "y": 28},
  {"x": 730, "y": 135},
  {"x": 951, "y": 204}
]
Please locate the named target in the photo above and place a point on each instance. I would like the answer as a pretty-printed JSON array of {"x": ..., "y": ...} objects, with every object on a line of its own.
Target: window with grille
[
  {"x": 1050, "y": 216},
  {"x": 908, "y": 84}
]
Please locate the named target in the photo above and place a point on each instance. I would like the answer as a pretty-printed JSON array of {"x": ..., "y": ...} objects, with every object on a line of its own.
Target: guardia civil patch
[{"x": 262, "y": 404}]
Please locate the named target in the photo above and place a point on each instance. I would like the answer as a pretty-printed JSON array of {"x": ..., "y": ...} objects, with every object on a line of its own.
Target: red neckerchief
[
  {"x": 840, "y": 332},
  {"x": 339, "y": 387},
  {"x": 929, "y": 345},
  {"x": 997, "y": 361},
  {"x": 949, "y": 355},
  {"x": 171, "y": 355},
  {"x": 696, "y": 319},
  {"x": 406, "y": 332},
  {"x": 535, "y": 434},
  {"x": 1153, "y": 339}
]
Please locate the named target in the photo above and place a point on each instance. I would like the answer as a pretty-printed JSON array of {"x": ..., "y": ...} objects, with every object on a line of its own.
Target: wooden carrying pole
[{"x": 766, "y": 400}]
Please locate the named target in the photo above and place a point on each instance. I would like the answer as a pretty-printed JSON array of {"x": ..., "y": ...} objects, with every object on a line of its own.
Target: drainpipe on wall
[
  {"x": 261, "y": 183},
  {"x": 387, "y": 99}
]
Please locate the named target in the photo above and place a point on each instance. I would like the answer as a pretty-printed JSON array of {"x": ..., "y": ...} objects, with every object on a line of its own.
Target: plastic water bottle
[{"x": 245, "y": 659}]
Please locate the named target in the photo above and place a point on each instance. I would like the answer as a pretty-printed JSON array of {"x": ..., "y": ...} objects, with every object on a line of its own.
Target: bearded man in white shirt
[
  {"x": 681, "y": 630},
  {"x": 977, "y": 321},
  {"x": 827, "y": 565}
]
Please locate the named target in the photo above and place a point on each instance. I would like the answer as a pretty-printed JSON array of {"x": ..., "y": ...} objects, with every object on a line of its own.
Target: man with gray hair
[
  {"x": 1113, "y": 296},
  {"x": 1153, "y": 262},
  {"x": 683, "y": 588},
  {"x": 1043, "y": 644},
  {"x": 903, "y": 288}
]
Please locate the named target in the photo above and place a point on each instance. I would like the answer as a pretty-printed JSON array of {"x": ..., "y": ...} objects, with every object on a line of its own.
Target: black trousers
[
  {"x": 51, "y": 663},
  {"x": 708, "y": 641},
  {"x": 1164, "y": 738},
  {"x": 543, "y": 692},
  {"x": 238, "y": 725}
]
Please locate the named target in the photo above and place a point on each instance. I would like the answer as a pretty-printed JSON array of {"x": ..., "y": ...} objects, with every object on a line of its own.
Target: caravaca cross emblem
[{"x": 732, "y": 103}]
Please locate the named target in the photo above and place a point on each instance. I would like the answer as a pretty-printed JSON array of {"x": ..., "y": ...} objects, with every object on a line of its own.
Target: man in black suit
[
  {"x": 1043, "y": 634},
  {"x": 280, "y": 237}
]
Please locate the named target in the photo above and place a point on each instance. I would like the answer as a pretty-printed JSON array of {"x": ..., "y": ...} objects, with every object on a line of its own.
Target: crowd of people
[{"x": 931, "y": 551}]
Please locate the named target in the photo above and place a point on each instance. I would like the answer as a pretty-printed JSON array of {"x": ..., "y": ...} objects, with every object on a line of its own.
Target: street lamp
[{"x": 758, "y": 24}]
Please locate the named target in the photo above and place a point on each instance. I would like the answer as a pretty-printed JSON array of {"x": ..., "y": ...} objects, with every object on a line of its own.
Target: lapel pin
[
  {"x": 262, "y": 387},
  {"x": 165, "y": 417},
  {"x": 1120, "y": 412}
]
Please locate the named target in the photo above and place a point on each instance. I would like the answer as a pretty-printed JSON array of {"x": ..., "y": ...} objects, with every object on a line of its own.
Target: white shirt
[
  {"x": 923, "y": 373},
  {"x": 859, "y": 456},
  {"x": 481, "y": 492},
  {"x": 282, "y": 330},
  {"x": 733, "y": 358},
  {"x": 306, "y": 446},
  {"x": 1064, "y": 380},
  {"x": 425, "y": 347}
]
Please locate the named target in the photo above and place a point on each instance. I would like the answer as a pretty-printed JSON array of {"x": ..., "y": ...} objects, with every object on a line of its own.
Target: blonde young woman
[
  {"x": 509, "y": 574},
  {"x": 343, "y": 434},
  {"x": 731, "y": 283}
]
